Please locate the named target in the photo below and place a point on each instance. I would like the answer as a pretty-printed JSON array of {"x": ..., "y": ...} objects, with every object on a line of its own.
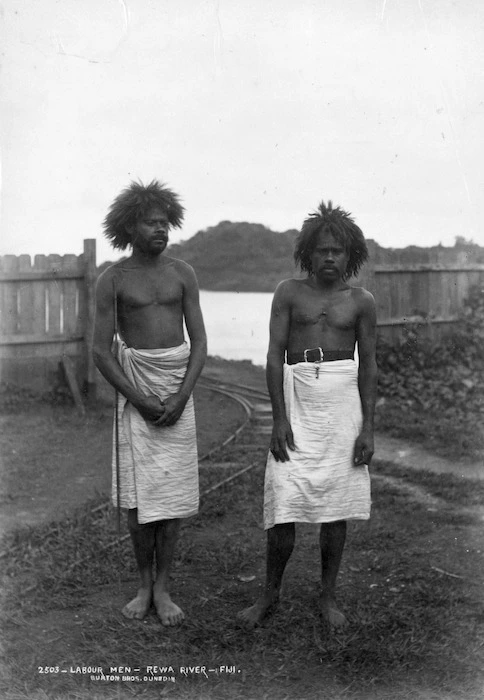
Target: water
[{"x": 237, "y": 324}]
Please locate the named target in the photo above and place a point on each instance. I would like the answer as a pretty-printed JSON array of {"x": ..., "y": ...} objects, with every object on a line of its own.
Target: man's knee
[
  {"x": 170, "y": 528},
  {"x": 133, "y": 524},
  {"x": 282, "y": 532},
  {"x": 333, "y": 525}
]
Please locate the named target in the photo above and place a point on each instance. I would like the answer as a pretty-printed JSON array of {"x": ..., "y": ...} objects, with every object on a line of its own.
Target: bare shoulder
[
  {"x": 107, "y": 277},
  {"x": 288, "y": 289},
  {"x": 364, "y": 300},
  {"x": 111, "y": 277},
  {"x": 182, "y": 267},
  {"x": 184, "y": 271}
]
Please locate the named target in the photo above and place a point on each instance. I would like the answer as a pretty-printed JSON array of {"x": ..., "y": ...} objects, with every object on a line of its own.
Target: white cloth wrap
[
  {"x": 158, "y": 466},
  {"x": 319, "y": 483}
]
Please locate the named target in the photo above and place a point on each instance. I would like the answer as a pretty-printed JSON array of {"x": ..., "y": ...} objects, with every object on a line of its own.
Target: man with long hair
[
  {"x": 322, "y": 404},
  {"x": 142, "y": 302}
]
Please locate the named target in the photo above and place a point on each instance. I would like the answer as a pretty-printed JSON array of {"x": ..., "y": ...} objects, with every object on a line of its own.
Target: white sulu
[
  {"x": 158, "y": 466},
  {"x": 319, "y": 483}
]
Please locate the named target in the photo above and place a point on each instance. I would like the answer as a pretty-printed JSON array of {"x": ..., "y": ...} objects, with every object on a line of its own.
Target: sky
[{"x": 252, "y": 110}]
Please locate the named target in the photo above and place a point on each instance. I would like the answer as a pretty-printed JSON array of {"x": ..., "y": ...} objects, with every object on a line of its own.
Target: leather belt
[{"x": 319, "y": 355}]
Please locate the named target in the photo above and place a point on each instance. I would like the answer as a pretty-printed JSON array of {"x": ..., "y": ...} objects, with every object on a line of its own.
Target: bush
[{"x": 440, "y": 383}]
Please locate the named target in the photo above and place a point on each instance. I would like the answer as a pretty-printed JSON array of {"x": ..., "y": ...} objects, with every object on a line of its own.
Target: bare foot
[
  {"x": 253, "y": 616},
  {"x": 169, "y": 613},
  {"x": 139, "y": 606},
  {"x": 331, "y": 615}
]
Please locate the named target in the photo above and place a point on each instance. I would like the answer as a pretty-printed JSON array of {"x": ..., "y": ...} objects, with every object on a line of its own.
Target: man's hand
[
  {"x": 152, "y": 408},
  {"x": 281, "y": 439},
  {"x": 364, "y": 448},
  {"x": 174, "y": 406}
]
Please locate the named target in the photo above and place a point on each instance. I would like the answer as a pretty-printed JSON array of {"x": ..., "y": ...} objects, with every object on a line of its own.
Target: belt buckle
[{"x": 321, "y": 354}]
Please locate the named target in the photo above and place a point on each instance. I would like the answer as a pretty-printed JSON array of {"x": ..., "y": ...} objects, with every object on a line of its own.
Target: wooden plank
[
  {"x": 80, "y": 306},
  {"x": 54, "y": 298},
  {"x": 73, "y": 264},
  {"x": 8, "y": 299},
  {"x": 72, "y": 382},
  {"x": 381, "y": 296},
  {"x": 436, "y": 302},
  {"x": 70, "y": 262},
  {"x": 462, "y": 289},
  {"x": 72, "y": 347},
  {"x": 398, "y": 296},
  {"x": 35, "y": 275},
  {"x": 55, "y": 263},
  {"x": 420, "y": 286},
  {"x": 449, "y": 295},
  {"x": 70, "y": 312},
  {"x": 417, "y": 268},
  {"x": 415, "y": 319},
  {"x": 90, "y": 282},
  {"x": 31, "y": 339},
  {"x": 456, "y": 291},
  {"x": 25, "y": 298},
  {"x": 39, "y": 301}
]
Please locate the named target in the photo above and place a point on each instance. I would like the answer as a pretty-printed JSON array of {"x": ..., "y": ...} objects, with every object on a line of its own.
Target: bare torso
[
  {"x": 150, "y": 304},
  {"x": 321, "y": 318}
]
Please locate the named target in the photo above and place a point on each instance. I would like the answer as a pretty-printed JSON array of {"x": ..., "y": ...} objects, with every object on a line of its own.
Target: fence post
[{"x": 90, "y": 276}]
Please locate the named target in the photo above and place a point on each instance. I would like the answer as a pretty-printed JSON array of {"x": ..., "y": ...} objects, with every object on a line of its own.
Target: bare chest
[
  {"x": 142, "y": 290},
  {"x": 339, "y": 311}
]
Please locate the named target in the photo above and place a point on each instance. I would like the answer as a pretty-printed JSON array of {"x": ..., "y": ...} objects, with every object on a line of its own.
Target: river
[{"x": 237, "y": 324}]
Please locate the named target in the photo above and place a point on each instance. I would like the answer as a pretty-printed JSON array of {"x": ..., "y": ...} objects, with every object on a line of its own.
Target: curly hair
[
  {"x": 133, "y": 203},
  {"x": 340, "y": 224}
]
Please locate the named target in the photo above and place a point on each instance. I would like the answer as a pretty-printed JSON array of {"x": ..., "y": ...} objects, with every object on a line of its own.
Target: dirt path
[
  {"x": 405, "y": 454},
  {"x": 397, "y": 572},
  {"x": 53, "y": 460}
]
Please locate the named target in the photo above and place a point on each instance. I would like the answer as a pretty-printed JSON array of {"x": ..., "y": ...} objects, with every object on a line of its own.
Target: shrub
[{"x": 440, "y": 382}]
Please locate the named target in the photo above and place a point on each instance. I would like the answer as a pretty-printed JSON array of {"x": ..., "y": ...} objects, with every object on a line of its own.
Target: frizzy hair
[
  {"x": 133, "y": 203},
  {"x": 340, "y": 224}
]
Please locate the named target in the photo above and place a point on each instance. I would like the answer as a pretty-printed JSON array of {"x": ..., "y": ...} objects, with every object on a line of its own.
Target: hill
[
  {"x": 245, "y": 257},
  {"x": 240, "y": 257}
]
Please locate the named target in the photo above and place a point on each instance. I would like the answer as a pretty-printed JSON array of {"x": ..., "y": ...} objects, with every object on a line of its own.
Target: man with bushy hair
[
  {"x": 142, "y": 302},
  {"x": 322, "y": 404}
]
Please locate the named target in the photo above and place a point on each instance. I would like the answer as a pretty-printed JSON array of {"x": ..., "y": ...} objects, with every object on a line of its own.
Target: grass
[
  {"x": 454, "y": 489},
  {"x": 434, "y": 431},
  {"x": 410, "y": 584},
  {"x": 415, "y": 632}
]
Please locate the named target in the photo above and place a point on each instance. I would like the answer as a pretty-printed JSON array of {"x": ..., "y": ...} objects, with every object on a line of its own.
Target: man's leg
[
  {"x": 332, "y": 541},
  {"x": 143, "y": 538},
  {"x": 280, "y": 543},
  {"x": 167, "y": 532}
]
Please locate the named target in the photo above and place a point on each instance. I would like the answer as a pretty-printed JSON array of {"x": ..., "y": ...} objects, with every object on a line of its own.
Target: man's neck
[
  {"x": 142, "y": 259},
  {"x": 323, "y": 285}
]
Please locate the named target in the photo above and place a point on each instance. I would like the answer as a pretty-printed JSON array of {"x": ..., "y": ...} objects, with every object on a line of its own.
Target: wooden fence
[
  {"x": 46, "y": 313},
  {"x": 427, "y": 297},
  {"x": 47, "y": 309}
]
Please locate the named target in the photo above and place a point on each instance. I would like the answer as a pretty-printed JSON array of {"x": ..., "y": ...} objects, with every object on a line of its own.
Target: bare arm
[
  {"x": 175, "y": 404},
  {"x": 282, "y": 437},
  {"x": 367, "y": 378},
  {"x": 149, "y": 406}
]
